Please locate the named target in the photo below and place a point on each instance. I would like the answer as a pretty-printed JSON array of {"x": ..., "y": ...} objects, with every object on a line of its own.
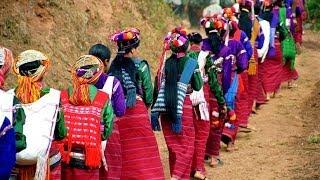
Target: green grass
[{"x": 314, "y": 139}]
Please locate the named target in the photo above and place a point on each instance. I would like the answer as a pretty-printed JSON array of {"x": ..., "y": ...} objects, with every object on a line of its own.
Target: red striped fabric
[
  {"x": 69, "y": 173},
  {"x": 288, "y": 74},
  {"x": 272, "y": 71},
  {"x": 202, "y": 129},
  {"x": 253, "y": 86},
  {"x": 214, "y": 138},
  {"x": 55, "y": 173},
  {"x": 298, "y": 30},
  {"x": 242, "y": 105},
  {"x": 261, "y": 96},
  {"x": 113, "y": 154},
  {"x": 180, "y": 146},
  {"x": 140, "y": 154}
]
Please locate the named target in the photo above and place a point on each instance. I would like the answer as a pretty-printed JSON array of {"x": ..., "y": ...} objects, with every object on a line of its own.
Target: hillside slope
[{"x": 64, "y": 30}]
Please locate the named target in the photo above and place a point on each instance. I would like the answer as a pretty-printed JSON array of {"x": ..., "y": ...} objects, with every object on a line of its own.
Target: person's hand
[{"x": 223, "y": 111}]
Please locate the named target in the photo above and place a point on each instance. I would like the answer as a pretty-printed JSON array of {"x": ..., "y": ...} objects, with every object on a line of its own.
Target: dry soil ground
[{"x": 286, "y": 144}]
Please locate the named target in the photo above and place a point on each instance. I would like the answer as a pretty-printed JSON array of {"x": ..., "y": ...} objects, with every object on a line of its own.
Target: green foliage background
[{"x": 313, "y": 7}]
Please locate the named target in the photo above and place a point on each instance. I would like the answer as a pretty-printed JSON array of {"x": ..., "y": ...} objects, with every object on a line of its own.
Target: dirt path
[{"x": 274, "y": 150}]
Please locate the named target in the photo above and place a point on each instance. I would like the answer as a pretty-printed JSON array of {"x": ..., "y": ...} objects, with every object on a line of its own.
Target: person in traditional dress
[
  {"x": 272, "y": 67},
  {"x": 110, "y": 85},
  {"x": 200, "y": 100},
  {"x": 173, "y": 105},
  {"x": 301, "y": 15},
  {"x": 34, "y": 98},
  {"x": 7, "y": 135},
  {"x": 286, "y": 31},
  {"x": 220, "y": 56},
  {"x": 242, "y": 96},
  {"x": 140, "y": 154},
  {"x": 88, "y": 115}
]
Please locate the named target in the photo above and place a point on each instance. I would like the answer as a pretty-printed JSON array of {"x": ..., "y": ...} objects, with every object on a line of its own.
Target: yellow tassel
[{"x": 252, "y": 70}]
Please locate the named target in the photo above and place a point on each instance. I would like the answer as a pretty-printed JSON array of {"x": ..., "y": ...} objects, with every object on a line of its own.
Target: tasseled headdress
[
  {"x": 85, "y": 71},
  {"x": 30, "y": 67}
]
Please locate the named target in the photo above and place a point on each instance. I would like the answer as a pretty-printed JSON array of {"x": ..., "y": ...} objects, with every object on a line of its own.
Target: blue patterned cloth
[{"x": 7, "y": 149}]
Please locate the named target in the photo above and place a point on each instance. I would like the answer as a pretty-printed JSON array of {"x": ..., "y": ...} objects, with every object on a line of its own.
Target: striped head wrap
[
  {"x": 85, "y": 71},
  {"x": 6, "y": 60},
  {"x": 30, "y": 67}
]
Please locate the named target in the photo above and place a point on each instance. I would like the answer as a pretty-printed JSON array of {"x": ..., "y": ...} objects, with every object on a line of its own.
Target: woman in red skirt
[
  {"x": 140, "y": 154},
  {"x": 200, "y": 101},
  {"x": 174, "y": 105},
  {"x": 88, "y": 115}
]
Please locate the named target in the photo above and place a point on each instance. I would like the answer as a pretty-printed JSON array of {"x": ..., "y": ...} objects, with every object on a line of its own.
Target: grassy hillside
[{"x": 65, "y": 29}]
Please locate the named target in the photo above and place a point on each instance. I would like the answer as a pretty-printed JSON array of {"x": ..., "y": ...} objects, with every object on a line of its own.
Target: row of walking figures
[{"x": 100, "y": 127}]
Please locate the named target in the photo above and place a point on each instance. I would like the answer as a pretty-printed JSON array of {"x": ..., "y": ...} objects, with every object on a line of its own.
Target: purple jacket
[
  {"x": 240, "y": 54},
  {"x": 117, "y": 98}
]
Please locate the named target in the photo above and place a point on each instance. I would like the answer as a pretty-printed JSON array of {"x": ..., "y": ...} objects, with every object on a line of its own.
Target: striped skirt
[
  {"x": 180, "y": 146},
  {"x": 272, "y": 70},
  {"x": 242, "y": 105},
  {"x": 288, "y": 74},
  {"x": 113, "y": 155},
  {"x": 69, "y": 173},
  {"x": 215, "y": 133},
  {"x": 253, "y": 85},
  {"x": 202, "y": 129},
  {"x": 140, "y": 154}
]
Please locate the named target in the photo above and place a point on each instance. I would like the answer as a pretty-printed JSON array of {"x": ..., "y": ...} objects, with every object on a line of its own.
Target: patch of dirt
[{"x": 279, "y": 149}]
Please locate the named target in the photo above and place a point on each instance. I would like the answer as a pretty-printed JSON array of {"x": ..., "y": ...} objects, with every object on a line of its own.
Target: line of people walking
[{"x": 204, "y": 91}]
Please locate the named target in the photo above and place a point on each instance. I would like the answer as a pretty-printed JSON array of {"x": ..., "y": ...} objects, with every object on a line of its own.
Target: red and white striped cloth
[
  {"x": 140, "y": 154},
  {"x": 272, "y": 71},
  {"x": 213, "y": 141},
  {"x": 202, "y": 129},
  {"x": 242, "y": 105},
  {"x": 180, "y": 146},
  {"x": 113, "y": 154}
]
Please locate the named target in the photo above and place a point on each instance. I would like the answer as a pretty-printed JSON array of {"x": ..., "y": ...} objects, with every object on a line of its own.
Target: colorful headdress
[
  {"x": 178, "y": 41},
  {"x": 126, "y": 39},
  {"x": 85, "y": 71},
  {"x": 30, "y": 67},
  {"x": 212, "y": 24},
  {"x": 6, "y": 60}
]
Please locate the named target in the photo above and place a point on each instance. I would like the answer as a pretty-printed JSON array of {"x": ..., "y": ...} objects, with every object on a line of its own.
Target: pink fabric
[
  {"x": 243, "y": 110},
  {"x": 272, "y": 71},
  {"x": 202, "y": 129},
  {"x": 180, "y": 146},
  {"x": 8, "y": 60},
  {"x": 140, "y": 154},
  {"x": 113, "y": 155}
]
